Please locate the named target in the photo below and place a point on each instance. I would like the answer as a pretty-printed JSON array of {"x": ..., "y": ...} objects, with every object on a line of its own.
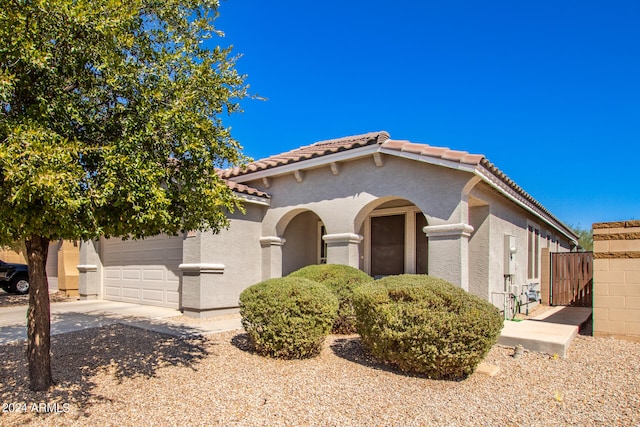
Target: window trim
[{"x": 534, "y": 252}]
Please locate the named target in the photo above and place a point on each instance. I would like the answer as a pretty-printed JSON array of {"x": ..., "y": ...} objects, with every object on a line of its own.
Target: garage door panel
[
  {"x": 173, "y": 297},
  {"x": 143, "y": 271},
  {"x": 112, "y": 274},
  {"x": 153, "y": 275},
  {"x": 173, "y": 276},
  {"x": 111, "y": 291},
  {"x": 131, "y": 274},
  {"x": 153, "y": 295}
]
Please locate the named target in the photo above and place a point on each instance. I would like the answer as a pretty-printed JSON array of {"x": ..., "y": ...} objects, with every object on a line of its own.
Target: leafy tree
[
  {"x": 110, "y": 124},
  {"x": 585, "y": 237}
]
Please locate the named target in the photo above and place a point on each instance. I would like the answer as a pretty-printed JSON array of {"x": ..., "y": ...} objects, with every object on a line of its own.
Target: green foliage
[
  {"x": 425, "y": 325},
  {"x": 110, "y": 124},
  {"x": 585, "y": 237},
  {"x": 110, "y": 118},
  {"x": 341, "y": 280},
  {"x": 289, "y": 317}
]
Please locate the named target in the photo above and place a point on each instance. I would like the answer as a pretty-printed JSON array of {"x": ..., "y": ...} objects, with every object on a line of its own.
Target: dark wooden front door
[{"x": 387, "y": 245}]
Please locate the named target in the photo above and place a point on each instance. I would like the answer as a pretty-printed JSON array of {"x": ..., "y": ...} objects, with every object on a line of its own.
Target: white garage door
[{"x": 143, "y": 271}]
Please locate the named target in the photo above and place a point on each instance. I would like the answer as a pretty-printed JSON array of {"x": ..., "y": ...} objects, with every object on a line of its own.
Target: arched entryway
[
  {"x": 304, "y": 245},
  {"x": 394, "y": 241}
]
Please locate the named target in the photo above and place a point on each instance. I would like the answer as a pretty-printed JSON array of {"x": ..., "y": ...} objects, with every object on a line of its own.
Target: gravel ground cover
[
  {"x": 11, "y": 300},
  {"x": 121, "y": 375}
]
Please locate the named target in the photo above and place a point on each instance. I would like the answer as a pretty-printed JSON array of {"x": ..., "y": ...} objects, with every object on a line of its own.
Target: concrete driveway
[{"x": 77, "y": 315}]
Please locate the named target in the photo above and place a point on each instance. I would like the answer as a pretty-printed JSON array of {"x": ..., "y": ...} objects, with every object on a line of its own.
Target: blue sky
[{"x": 549, "y": 91}]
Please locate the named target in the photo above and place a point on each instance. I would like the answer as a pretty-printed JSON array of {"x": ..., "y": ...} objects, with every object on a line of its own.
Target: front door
[{"x": 387, "y": 245}]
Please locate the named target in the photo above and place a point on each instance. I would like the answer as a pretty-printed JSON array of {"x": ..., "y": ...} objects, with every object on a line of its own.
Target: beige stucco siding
[
  {"x": 360, "y": 185},
  {"x": 506, "y": 218},
  {"x": 236, "y": 252}
]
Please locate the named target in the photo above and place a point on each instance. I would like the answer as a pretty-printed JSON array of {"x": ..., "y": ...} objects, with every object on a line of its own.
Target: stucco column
[
  {"x": 68, "y": 260},
  {"x": 90, "y": 270},
  {"x": 343, "y": 248},
  {"x": 271, "y": 256},
  {"x": 449, "y": 252},
  {"x": 203, "y": 291}
]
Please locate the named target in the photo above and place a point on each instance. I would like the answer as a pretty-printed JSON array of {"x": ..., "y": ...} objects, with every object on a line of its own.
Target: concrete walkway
[
  {"x": 551, "y": 332},
  {"x": 77, "y": 315}
]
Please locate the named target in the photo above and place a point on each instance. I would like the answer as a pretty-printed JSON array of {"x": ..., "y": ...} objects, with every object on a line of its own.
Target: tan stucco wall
[
  {"x": 360, "y": 187},
  {"x": 479, "y": 252},
  {"x": 7, "y": 255},
  {"x": 62, "y": 274},
  {"x": 616, "y": 279},
  {"x": 237, "y": 249},
  {"x": 343, "y": 202},
  {"x": 507, "y": 219},
  {"x": 68, "y": 260},
  {"x": 301, "y": 247}
]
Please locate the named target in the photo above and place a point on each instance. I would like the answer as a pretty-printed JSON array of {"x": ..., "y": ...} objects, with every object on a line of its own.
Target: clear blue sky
[{"x": 549, "y": 91}]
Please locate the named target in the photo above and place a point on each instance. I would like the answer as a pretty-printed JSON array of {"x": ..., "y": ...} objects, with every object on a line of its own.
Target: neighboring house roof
[
  {"x": 381, "y": 142},
  {"x": 248, "y": 194},
  {"x": 245, "y": 189}
]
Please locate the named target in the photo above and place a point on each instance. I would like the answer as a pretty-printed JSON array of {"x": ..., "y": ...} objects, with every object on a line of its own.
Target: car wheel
[{"x": 21, "y": 286}]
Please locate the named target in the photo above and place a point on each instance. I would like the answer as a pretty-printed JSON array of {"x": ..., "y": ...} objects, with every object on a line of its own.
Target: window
[
  {"x": 322, "y": 245},
  {"x": 533, "y": 252}
]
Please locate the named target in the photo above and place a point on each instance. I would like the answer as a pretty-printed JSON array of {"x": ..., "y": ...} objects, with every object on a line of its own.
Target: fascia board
[
  {"x": 253, "y": 199},
  {"x": 431, "y": 160},
  {"x": 317, "y": 162}
]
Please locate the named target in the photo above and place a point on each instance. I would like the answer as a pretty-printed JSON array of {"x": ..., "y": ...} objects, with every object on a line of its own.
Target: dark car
[{"x": 14, "y": 277}]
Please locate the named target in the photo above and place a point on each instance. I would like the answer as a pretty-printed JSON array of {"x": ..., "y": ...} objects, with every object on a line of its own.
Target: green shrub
[
  {"x": 289, "y": 317},
  {"x": 341, "y": 280},
  {"x": 426, "y": 325}
]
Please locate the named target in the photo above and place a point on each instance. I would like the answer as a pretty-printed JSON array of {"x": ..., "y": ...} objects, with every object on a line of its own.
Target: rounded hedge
[
  {"x": 425, "y": 325},
  {"x": 342, "y": 280},
  {"x": 289, "y": 317}
]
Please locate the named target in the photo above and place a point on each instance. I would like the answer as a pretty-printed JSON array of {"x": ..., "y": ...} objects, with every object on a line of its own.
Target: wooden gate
[{"x": 572, "y": 279}]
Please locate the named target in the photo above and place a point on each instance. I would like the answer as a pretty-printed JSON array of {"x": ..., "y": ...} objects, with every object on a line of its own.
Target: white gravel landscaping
[{"x": 124, "y": 376}]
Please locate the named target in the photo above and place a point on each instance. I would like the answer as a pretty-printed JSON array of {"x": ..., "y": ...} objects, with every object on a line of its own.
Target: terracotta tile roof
[
  {"x": 383, "y": 140},
  {"x": 312, "y": 151},
  {"x": 430, "y": 151},
  {"x": 245, "y": 189}
]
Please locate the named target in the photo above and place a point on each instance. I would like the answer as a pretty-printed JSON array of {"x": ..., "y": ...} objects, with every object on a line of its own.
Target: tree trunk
[{"x": 39, "y": 315}]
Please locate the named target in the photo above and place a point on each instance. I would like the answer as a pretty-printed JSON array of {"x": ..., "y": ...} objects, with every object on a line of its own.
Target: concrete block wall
[{"x": 616, "y": 280}]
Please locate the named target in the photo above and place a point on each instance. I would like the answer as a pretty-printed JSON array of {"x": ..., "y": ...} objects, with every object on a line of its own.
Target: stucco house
[{"x": 384, "y": 206}]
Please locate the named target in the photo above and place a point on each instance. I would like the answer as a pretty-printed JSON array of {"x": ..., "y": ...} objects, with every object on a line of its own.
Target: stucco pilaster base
[
  {"x": 449, "y": 252},
  {"x": 203, "y": 291},
  {"x": 343, "y": 248},
  {"x": 89, "y": 270},
  {"x": 271, "y": 256}
]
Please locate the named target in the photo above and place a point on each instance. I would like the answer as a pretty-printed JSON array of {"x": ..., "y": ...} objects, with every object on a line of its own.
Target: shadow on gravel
[
  {"x": 350, "y": 348},
  {"x": 243, "y": 343},
  {"x": 119, "y": 351}
]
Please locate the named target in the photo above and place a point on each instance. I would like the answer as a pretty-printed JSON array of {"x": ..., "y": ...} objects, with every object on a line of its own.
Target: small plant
[
  {"x": 426, "y": 325},
  {"x": 289, "y": 317},
  {"x": 342, "y": 280}
]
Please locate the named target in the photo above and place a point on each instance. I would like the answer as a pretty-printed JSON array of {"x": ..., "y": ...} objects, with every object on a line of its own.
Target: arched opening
[
  {"x": 304, "y": 245},
  {"x": 394, "y": 242}
]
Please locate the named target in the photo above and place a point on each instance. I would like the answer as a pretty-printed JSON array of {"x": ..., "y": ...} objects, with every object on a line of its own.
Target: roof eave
[
  {"x": 312, "y": 163},
  {"x": 532, "y": 206}
]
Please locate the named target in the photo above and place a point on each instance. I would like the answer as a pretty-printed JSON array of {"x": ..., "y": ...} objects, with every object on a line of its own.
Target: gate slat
[{"x": 572, "y": 279}]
